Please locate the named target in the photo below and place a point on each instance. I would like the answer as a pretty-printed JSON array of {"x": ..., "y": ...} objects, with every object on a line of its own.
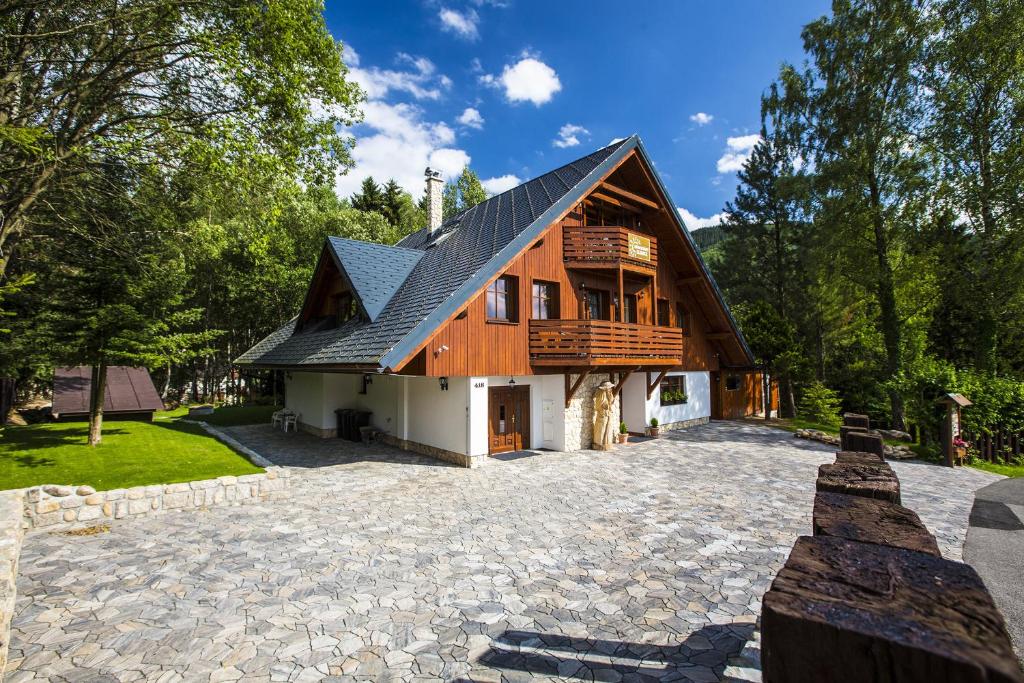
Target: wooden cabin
[{"x": 488, "y": 331}]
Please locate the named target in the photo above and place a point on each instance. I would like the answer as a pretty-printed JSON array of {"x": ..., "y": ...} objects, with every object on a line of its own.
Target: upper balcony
[
  {"x": 609, "y": 246},
  {"x": 603, "y": 342}
]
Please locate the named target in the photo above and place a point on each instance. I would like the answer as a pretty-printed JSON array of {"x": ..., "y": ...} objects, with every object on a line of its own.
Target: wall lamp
[
  {"x": 443, "y": 381},
  {"x": 511, "y": 382}
]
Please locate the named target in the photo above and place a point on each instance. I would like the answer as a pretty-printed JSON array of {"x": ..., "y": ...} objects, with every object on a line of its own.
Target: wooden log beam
[
  {"x": 856, "y": 420},
  {"x": 857, "y": 458},
  {"x": 652, "y": 386},
  {"x": 841, "y": 610},
  {"x": 632, "y": 196},
  {"x": 719, "y": 335},
  {"x": 865, "y": 443},
  {"x": 871, "y": 480},
  {"x": 615, "y": 202},
  {"x": 693, "y": 280},
  {"x": 856, "y": 518},
  {"x": 572, "y": 387},
  {"x": 844, "y": 436}
]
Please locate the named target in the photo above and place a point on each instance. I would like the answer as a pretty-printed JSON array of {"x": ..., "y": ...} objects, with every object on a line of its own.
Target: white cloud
[
  {"x": 462, "y": 24},
  {"x": 499, "y": 184},
  {"x": 422, "y": 81},
  {"x": 738, "y": 150},
  {"x": 568, "y": 135},
  {"x": 692, "y": 222},
  {"x": 528, "y": 80},
  {"x": 702, "y": 119},
  {"x": 471, "y": 118}
]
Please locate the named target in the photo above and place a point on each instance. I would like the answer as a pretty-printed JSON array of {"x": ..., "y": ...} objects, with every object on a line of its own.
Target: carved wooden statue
[{"x": 604, "y": 427}]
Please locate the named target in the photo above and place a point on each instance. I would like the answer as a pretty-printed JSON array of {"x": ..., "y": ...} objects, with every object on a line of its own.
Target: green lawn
[
  {"x": 131, "y": 454},
  {"x": 999, "y": 468},
  {"x": 224, "y": 416}
]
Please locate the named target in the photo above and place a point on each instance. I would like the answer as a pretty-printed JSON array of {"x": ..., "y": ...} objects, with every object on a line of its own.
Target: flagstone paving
[{"x": 646, "y": 563}]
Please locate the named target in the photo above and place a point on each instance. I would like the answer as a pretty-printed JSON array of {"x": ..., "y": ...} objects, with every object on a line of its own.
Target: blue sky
[{"x": 516, "y": 88}]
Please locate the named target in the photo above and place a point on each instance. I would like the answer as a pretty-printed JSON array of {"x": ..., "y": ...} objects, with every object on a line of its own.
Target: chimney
[{"x": 434, "y": 188}]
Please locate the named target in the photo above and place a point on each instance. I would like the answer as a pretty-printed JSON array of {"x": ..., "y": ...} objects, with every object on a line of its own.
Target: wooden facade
[{"x": 657, "y": 306}]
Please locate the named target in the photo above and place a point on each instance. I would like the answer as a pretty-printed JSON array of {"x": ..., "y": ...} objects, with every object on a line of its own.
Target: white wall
[
  {"x": 304, "y": 394},
  {"x": 637, "y": 409}
]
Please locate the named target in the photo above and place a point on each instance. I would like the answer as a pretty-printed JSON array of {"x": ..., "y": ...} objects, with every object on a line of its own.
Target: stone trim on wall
[
  {"x": 12, "y": 531},
  {"x": 460, "y": 459},
  {"x": 52, "y": 506},
  {"x": 317, "y": 431},
  {"x": 686, "y": 424}
]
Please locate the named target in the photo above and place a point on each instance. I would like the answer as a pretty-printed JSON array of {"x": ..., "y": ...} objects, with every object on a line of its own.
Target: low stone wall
[
  {"x": 54, "y": 506},
  {"x": 460, "y": 459},
  {"x": 686, "y": 424},
  {"x": 12, "y": 530}
]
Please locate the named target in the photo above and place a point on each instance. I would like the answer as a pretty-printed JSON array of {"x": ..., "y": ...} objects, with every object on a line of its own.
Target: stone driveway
[{"x": 641, "y": 564}]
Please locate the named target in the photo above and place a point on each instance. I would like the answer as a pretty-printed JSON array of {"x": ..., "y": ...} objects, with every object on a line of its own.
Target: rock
[
  {"x": 94, "y": 499},
  {"x": 57, "y": 491},
  {"x": 85, "y": 490},
  {"x": 856, "y": 420},
  {"x": 70, "y": 515},
  {"x": 871, "y": 480},
  {"x": 895, "y": 434},
  {"x": 867, "y": 520},
  {"x": 846, "y": 611},
  {"x": 45, "y": 506},
  {"x": 857, "y": 458}
]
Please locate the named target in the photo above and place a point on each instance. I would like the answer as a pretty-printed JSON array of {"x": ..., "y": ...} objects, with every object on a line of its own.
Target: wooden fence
[{"x": 1002, "y": 446}]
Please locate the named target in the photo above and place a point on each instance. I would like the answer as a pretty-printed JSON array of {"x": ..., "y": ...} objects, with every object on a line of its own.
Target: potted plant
[
  {"x": 654, "y": 430},
  {"x": 623, "y": 433},
  {"x": 959, "y": 451}
]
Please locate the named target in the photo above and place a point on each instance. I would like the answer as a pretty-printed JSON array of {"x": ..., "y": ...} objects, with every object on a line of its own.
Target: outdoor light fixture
[
  {"x": 443, "y": 381},
  {"x": 511, "y": 383}
]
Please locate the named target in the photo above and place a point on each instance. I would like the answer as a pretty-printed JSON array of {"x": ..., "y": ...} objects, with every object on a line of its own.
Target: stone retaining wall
[
  {"x": 686, "y": 424},
  {"x": 54, "y": 506},
  {"x": 12, "y": 530}
]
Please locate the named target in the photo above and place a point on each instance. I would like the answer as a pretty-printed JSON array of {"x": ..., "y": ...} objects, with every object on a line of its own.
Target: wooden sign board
[{"x": 639, "y": 247}]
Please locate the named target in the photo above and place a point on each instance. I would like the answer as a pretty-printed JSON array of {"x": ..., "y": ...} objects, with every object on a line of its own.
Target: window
[
  {"x": 344, "y": 307},
  {"x": 597, "y": 304},
  {"x": 664, "y": 317},
  {"x": 629, "y": 308},
  {"x": 545, "y": 300},
  {"x": 683, "y": 319},
  {"x": 501, "y": 299},
  {"x": 673, "y": 390},
  {"x": 732, "y": 382}
]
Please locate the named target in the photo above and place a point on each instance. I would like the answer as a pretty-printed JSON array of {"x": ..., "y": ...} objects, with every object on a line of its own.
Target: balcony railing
[
  {"x": 603, "y": 342},
  {"x": 609, "y": 246}
]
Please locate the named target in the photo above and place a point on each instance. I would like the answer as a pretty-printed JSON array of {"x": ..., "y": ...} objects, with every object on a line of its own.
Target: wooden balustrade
[
  {"x": 608, "y": 246},
  {"x": 603, "y": 342}
]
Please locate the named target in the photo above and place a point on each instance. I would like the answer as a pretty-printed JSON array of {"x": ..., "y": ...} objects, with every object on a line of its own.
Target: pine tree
[{"x": 369, "y": 197}]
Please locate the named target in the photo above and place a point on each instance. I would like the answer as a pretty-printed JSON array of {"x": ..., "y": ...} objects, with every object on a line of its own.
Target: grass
[
  {"x": 1016, "y": 470},
  {"x": 131, "y": 454}
]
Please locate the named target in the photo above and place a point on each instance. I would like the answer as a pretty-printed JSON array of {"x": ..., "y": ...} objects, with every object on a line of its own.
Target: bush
[
  {"x": 819, "y": 404},
  {"x": 623, "y": 429},
  {"x": 654, "y": 422}
]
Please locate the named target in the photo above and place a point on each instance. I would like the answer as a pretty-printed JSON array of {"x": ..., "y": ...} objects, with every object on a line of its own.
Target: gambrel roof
[{"x": 456, "y": 261}]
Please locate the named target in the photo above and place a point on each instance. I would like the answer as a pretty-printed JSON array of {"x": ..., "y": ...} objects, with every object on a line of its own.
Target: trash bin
[
  {"x": 361, "y": 418},
  {"x": 344, "y": 416}
]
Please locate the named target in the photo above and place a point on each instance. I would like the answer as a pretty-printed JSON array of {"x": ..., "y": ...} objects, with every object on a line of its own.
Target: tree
[
  {"x": 974, "y": 71},
  {"x": 462, "y": 193},
  {"x": 142, "y": 80},
  {"x": 863, "y": 99},
  {"x": 369, "y": 197}
]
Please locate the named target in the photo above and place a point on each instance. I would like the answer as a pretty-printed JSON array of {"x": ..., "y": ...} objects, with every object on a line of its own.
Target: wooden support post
[
  {"x": 652, "y": 386},
  {"x": 572, "y": 387},
  {"x": 622, "y": 296}
]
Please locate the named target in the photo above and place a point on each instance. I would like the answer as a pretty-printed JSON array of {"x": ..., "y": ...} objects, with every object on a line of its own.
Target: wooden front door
[{"x": 509, "y": 420}]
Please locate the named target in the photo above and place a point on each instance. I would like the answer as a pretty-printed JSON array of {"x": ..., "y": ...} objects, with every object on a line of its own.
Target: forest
[{"x": 167, "y": 180}]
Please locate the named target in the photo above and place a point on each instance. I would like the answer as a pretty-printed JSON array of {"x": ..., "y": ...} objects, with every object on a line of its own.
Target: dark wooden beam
[
  {"x": 651, "y": 386},
  {"x": 696, "y": 279},
  {"x": 632, "y": 196},
  {"x": 615, "y": 202},
  {"x": 622, "y": 380},
  {"x": 572, "y": 387},
  {"x": 719, "y": 335}
]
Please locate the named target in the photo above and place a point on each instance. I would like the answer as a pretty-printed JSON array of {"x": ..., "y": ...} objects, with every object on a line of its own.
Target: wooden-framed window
[
  {"x": 596, "y": 304},
  {"x": 629, "y": 308},
  {"x": 344, "y": 307},
  {"x": 673, "y": 390},
  {"x": 502, "y": 295},
  {"x": 683, "y": 319},
  {"x": 664, "y": 316},
  {"x": 732, "y": 382},
  {"x": 545, "y": 300}
]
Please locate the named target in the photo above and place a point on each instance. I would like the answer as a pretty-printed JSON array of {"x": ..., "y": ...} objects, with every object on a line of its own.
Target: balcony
[
  {"x": 609, "y": 246},
  {"x": 603, "y": 342}
]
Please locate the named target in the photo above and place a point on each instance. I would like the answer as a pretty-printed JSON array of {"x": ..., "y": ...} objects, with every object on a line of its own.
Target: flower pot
[
  {"x": 623, "y": 438},
  {"x": 654, "y": 432}
]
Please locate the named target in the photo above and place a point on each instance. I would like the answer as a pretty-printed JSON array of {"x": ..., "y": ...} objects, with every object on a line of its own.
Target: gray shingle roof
[
  {"x": 456, "y": 260},
  {"x": 376, "y": 271}
]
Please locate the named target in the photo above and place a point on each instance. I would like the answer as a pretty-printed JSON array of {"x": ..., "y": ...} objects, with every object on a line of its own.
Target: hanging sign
[{"x": 638, "y": 246}]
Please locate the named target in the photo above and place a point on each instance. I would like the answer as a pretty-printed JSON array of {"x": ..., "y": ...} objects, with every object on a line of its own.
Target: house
[
  {"x": 489, "y": 331},
  {"x": 129, "y": 395}
]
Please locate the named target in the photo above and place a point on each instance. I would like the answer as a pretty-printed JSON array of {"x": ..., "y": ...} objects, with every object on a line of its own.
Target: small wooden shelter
[
  {"x": 130, "y": 393},
  {"x": 951, "y": 424}
]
